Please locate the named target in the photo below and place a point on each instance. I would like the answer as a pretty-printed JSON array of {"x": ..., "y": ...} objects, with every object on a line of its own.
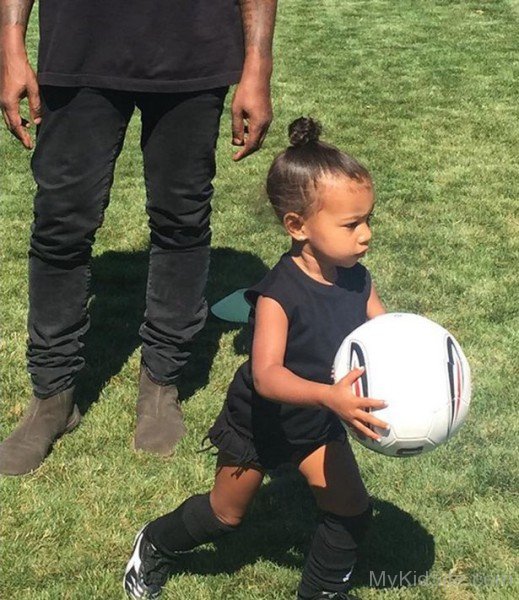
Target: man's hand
[
  {"x": 18, "y": 81},
  {"x": 251, "y": 108},
  {"x": 251, "y": 116}
]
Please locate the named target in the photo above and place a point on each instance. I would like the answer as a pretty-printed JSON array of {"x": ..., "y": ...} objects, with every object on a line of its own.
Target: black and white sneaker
[
  {"x": 147, "y": 570},
  {"x": 335, "y": 596}
]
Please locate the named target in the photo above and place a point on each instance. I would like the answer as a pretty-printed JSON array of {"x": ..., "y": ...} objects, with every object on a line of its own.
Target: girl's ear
[{"x": 294, "y": 225}]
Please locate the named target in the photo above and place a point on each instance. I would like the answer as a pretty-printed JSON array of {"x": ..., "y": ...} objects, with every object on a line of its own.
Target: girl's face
[{"x": 338, "y": 232}]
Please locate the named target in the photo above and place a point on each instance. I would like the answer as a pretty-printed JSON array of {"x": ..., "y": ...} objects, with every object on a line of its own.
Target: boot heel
[{"x": 73, "y": 420}]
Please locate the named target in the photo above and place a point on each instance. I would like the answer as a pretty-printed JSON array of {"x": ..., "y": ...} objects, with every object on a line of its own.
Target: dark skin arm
[
  {"x": 17, "y": 78},
  {"x": 251, "y": 106}
]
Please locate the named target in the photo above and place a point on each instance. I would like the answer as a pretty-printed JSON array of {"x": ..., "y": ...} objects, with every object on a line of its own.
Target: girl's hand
[{"x": 353, "y": 409}]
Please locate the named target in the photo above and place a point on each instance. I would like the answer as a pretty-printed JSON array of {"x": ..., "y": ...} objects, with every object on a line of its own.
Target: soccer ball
[{"x": 419, "y": 369}]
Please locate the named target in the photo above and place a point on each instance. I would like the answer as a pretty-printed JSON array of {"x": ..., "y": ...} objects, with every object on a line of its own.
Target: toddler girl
[{"x": 283, "y": 405}]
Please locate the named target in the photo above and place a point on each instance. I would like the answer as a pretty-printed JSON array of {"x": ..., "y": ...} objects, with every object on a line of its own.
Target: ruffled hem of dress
[{"x": 224, "y": 438}]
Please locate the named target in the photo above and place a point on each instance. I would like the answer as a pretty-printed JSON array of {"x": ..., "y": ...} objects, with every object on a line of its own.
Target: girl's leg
[
  {"x": 233, "y": 491},
  {"x": 205, "y": 517},
  {"x": 200, "y": 519},
  {"x": 333, "y": 476}
]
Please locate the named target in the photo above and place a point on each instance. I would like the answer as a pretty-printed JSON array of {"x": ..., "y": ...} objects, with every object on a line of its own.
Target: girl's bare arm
[{"x": 274, "y": 381}]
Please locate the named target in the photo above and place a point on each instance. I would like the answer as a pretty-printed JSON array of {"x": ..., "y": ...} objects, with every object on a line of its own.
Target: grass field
[{"x": 425, "y": 93}]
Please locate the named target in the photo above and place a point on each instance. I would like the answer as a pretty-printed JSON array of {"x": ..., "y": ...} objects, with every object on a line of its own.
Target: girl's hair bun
[{"x": 304, "y": 130}]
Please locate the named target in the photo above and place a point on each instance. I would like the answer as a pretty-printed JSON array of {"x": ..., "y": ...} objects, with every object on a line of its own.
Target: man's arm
[
  {"x": 17, "y": 78},
  {"x": 15, "y": 13},
  {"x": 251, "y": 106}
]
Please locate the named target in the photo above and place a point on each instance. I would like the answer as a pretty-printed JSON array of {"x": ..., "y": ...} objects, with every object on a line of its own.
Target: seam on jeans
[
  {"x": 221, "y": 94},
  {"x": 85, "y": 313},
  {"x": 105, "y": 194}
]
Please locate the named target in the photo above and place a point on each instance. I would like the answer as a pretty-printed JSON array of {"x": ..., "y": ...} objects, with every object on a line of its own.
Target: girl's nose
[{"x": 365, "y": 234}]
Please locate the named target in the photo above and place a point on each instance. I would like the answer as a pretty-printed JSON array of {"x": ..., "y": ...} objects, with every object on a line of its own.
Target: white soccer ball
[{"x": 419, "y": 369}]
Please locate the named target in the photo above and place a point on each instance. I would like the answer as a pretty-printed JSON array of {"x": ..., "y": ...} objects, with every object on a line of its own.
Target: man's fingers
[
  {"x": 33, "y": 97},
  {"x": 238, "y": 133},
  {"x": 263, "y": 136},
  {"x": 17, "y": 126},
  {"x": 253, "y": 141},
  {"x": 247, "y": 149},
  {"x": 11, "y": 115},
  {"x": 251, "y": 144},
  {"x": 20, "y": 132},
  {"x": 240, "y": 154}
]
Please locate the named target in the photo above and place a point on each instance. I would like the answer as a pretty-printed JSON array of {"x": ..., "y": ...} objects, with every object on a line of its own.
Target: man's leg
[
  {"x": 179, "y": 137},
  {"x": 80, "y": 137}
]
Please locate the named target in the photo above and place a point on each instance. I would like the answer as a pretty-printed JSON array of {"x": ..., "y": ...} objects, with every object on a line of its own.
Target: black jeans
[{"x": 79, "y": 140}]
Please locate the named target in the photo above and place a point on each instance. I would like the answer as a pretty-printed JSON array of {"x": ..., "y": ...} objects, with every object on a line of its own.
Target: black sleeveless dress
[{"x": 255, "y": 431}]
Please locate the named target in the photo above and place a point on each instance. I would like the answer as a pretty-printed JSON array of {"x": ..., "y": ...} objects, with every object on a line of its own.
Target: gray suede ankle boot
[
  {"x": 159, "y": 419},
  {"x": 44, "y": 421}
]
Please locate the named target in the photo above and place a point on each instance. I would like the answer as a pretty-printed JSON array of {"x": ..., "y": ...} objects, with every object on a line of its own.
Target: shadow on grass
[
  {"x": 280, "y": 526},
  {"x": 230, "y": 270},
  {"x": 117, "y": 307}
]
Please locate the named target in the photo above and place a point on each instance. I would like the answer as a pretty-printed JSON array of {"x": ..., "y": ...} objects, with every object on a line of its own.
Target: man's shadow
[
  {"x": 117, "y": 307},
  {"x": 279, "y": 529}
]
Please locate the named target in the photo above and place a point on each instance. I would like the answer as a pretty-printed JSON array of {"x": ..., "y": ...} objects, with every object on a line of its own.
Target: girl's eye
[{"x": 357, "y": 223}]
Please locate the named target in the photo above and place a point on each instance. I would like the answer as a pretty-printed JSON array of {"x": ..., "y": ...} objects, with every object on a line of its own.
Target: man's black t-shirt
[
  {"x": 140, "y": 45},
  {"x": 319, "y": 316}
]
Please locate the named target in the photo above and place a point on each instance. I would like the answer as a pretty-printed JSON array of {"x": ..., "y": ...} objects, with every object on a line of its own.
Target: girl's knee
[
  {"x": 225, "y": 512},
  {"x": 229, "y": 518},
  {"x": 344, "y": 505},
  {"x": 233, "y": 492}
]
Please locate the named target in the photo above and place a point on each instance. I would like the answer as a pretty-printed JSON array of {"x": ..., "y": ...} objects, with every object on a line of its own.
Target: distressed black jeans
[{"x": 78, "y": 142}]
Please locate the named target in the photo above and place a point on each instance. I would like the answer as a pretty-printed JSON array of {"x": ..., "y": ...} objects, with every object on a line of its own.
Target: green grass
[{"x": 425, "y": 93}]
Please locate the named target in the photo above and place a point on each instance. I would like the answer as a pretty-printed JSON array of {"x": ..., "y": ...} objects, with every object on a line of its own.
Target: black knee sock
[
  {"x": 332, "y": 554},
  {"x": 191, "y": 524}
]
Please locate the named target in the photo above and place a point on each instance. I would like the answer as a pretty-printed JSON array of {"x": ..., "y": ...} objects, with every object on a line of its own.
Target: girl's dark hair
[{"x": 293, "y": 176}]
